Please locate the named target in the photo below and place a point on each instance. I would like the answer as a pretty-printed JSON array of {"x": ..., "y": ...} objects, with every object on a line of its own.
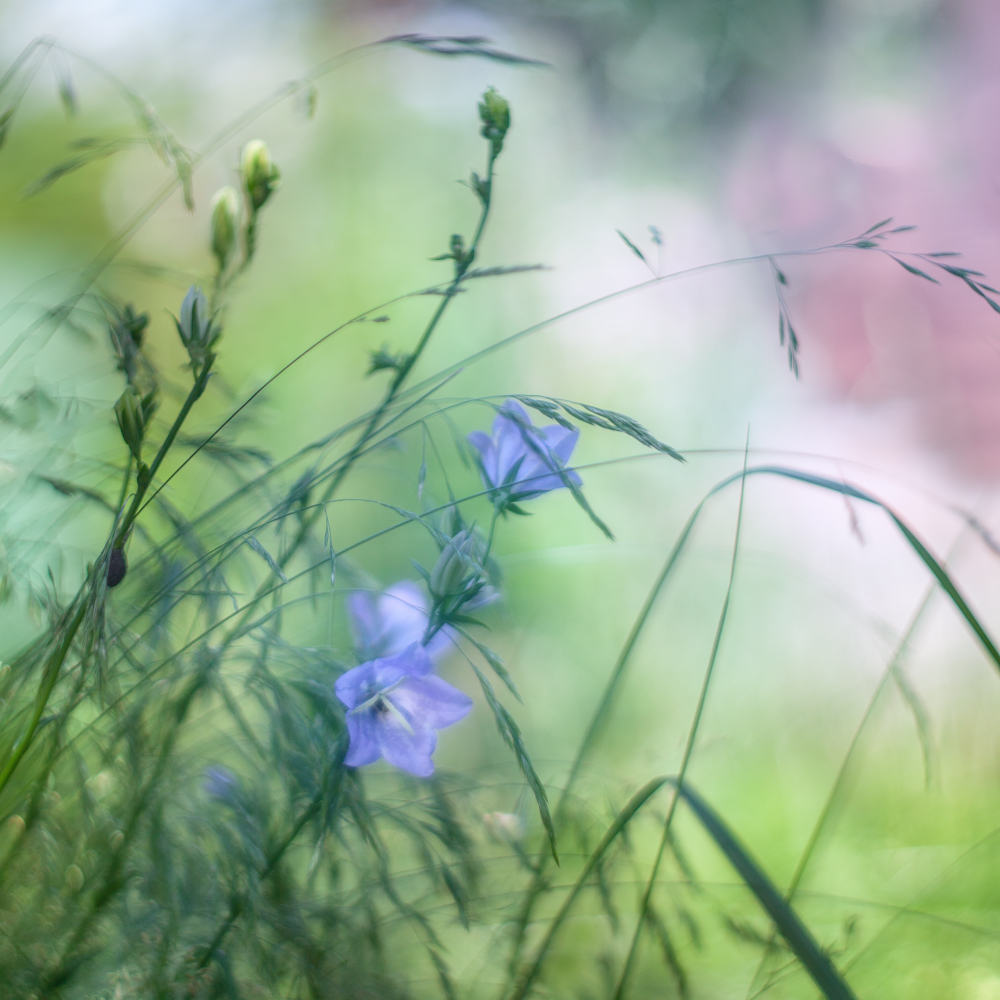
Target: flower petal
[
  {"x": 402, "y": 611},
  {"x": 561, "y": 440},
  {"x": 348, "y": 686},
  {"x": 364, "y": 620},
  {"x": 409, "y": 751},
  {"x": 431, "y": 702},
  {"x": 363, "y": 732}
]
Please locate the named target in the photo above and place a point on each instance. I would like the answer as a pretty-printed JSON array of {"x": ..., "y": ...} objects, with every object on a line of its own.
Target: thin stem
[
  {"x": 49, "y": 678},
  {"x": 372, "y": 426},
  {"x": 143, "y": 480},
  {"x": 824, "y": 817},
  {"x": 125, "y": 481},
  {"x": 236, "y": 909},
  {"x": 688, "y": 748}
]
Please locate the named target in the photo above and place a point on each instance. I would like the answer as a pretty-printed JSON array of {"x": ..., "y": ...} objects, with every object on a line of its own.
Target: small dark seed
[{"x": 117, "y": 567}]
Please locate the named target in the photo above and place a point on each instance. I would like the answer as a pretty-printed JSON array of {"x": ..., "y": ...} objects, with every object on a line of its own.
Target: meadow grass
[{"x": 190, "y": 802}]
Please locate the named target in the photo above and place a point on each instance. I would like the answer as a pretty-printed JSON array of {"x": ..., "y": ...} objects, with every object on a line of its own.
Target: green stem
[
  {"x": 56, "y": 660},
  {"x": 143, "y": 480},
  {"x": 125, "y": 481},
  {"x": 236, "y": 909},
  {"x": 688, "y": 750},
  {"x": 49, "y": 678},
  {"x": 68, "y": 961},
  {"x": 375, "y": 420}
]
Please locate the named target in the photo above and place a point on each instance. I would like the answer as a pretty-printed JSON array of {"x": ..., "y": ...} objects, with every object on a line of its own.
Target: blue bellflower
[
  {"x": 385, "y": 624},
  {"x": 519, "y": 461},
  {"x": 394, "y": 707},
  {"x": 220, "y": 783}
]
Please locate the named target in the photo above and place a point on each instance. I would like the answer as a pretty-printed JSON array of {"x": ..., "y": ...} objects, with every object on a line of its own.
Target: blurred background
[{"x": 733, "y": 127}]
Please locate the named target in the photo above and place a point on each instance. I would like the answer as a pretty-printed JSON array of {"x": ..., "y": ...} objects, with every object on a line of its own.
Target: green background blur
[{"x": 635, "y": 123}]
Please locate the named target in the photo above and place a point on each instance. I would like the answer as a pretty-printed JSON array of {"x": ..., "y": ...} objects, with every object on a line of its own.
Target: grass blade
[{"x": 815, "y": 961}]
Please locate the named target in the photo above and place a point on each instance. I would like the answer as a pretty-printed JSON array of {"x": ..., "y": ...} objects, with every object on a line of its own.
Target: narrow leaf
[
  {"x": 267, "y": 557},
  {"x": 496, "y": 664},
  {"x": 816, "y": 962},
  {"x": 878, "y": 225},
  {"x": 511, "y": 734},
  {"x": 633, "y": 247}
]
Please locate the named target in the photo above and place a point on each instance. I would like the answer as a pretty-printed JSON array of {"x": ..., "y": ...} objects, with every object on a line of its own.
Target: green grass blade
[
  {"x": 815, "y": 961},
  {"x": 527, "y": 979},
  {"x": 936, "y": 568}
]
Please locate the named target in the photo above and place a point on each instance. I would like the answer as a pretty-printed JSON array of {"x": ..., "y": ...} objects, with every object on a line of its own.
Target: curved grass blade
[
  {"x": 624, "y": 817},
  {"x": 815, "y": 961},
  {"x": 805, "y": 947},
  {"x": 939, "y": 572}
]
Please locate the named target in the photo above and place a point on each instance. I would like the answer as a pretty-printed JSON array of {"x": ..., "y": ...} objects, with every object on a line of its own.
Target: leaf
[
  {"x": 6, "y": 117},
  {"x": 623, "y": 818},
  {"x": 920, "y": 717},
  {"x": 549, "y": 409},
  {"x": 633, "y": 247},
  {"x": 936, "y": 569},
  {"x": 816, "y": 962},
  {"x": 496, "y": 664},
  {"x": 511, "y": 734},
  {"x": 610, "y": 420},
  {"x": 67, "y": 94},
  {"x": 492, "y": 272},
  {"x": 267, "y": 557},
  {"x": 914, "y": 270},
  {"x": 328, "y": 545},
  {"x": 878, "y": 225},
  {"x": 670, "y": 956},
  {"x": 457, "y": 893},
  {"x": 444, "y": 45}
]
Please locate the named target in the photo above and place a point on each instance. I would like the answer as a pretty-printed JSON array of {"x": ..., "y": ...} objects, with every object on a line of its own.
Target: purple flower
[
  {"x": 220, "y": 783},
  {"x": 394, "y": 705},
  {"x": 385, "y": 624},
  {"x": 519, "y": 461}
]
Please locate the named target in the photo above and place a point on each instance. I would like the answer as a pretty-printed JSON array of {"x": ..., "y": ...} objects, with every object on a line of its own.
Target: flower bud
[
  {"x": 74, "y": 879},
  {"x": 260, "y": 176},
  {"x": 194, "y": 315},
  {"x": 198, "y": 331},
  {"x": 225, "y": 223},
  {"x": 457, "y": 561},
  {"x": 495, "y": 114},
  {"x": 129, "y": 412}
]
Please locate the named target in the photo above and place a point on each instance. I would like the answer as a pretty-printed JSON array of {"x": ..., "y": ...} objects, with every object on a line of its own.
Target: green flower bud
[
  {"x": 129, "y": 412},
  {"x": 459, "y": 560},
  {"x": 495, "y": 114},
  {"x": 74, "y": 879},
  {"x": 260, "y": 176},
  {"x": 225, "y": 223}
]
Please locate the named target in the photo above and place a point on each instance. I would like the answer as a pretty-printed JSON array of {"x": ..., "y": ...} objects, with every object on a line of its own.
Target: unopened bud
[
  {"x": 198, "y": 331},
  {"x": 495, "y": 114},
  {"x": 260, "y": 176},
  {"x": 194, "y": 315},
  {"x": 456, "y": 562},
  {"x": 131, "y": 422},
  {"x": 74, "y": 879},
  {"x": 225, "y": 223}
]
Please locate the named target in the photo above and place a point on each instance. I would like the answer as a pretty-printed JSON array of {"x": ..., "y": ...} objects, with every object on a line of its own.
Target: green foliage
[{"x": 176, "y": 815}]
